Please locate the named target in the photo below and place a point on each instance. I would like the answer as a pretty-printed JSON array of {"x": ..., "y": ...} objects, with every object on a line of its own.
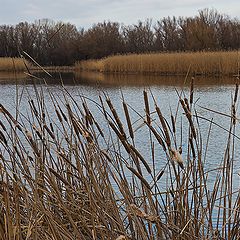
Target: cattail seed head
[{"x": 176, "y": 157}]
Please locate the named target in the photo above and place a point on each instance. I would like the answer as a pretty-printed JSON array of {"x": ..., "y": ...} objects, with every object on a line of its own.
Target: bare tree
[
  {"x": 58, "y": 43},
  {"x": 168, "y": 34},
  {"x": 140, "y": 37}
]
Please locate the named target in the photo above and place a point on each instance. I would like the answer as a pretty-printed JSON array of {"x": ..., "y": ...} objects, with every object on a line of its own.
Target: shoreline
[{"x": 167, "y": 64}]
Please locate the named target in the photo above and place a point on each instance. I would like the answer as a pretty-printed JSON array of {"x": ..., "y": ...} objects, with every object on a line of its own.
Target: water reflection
[
  {"x": 36, "y": 77},
  {"x": 146, "y": 80},
  {"x": 109, "y": 80}
]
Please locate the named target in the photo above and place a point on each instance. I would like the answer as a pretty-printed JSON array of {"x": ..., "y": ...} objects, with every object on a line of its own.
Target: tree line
[{"x": 58, "y": 43}]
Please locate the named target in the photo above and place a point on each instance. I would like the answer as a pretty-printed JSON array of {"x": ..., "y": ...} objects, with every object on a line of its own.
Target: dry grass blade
[{"x": 37, "y": 64}]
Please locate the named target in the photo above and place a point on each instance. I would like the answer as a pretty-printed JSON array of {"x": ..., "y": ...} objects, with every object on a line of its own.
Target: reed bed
[
  {"x": 199, "y": 63},
  {"x": 8, "y": 64},
  {"x": 91, "y": 65},
  {"x": 63, "y": 175}
]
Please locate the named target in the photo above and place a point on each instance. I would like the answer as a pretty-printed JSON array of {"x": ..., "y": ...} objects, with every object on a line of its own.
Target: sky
[{"x": 84, "y": 13}]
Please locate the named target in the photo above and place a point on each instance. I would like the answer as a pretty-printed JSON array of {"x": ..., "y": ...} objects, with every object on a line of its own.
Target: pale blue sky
[{"x": 83, "y": 13}]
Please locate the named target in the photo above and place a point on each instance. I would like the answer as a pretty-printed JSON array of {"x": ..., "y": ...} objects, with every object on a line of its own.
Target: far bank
[{"x": 197, "y": 63}]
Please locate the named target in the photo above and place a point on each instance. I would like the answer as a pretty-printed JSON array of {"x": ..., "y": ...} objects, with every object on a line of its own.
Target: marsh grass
[
  {"x": 8, "y": 64},
  {"x": 91, "y": 65},
  {"x": 199, "y": 63},
  {"x": 63, "y": 175}
]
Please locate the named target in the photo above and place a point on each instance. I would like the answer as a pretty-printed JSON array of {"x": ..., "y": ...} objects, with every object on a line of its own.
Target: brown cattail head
[
  {"x": 180, "y": 150},
  {"x": 236, "y": 92}
]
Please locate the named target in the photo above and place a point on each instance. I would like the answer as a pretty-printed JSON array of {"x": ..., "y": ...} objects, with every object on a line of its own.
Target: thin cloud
[{"x": 85, "y": 13}]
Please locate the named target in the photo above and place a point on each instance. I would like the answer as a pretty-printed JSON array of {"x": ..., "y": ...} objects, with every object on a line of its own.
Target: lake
[
  {"x": 215, "y": 94},
  {"x": 212, "y": 102}
]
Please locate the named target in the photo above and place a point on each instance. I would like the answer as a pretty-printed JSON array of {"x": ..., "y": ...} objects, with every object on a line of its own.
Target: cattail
[
  {"x": 58, "y": 176},
  {"x": 236, "y": 93},
  {"x": 114, "y": 128},
  {"x": 158, "y": 137},
  {"x": 98, "y": 127},
  {"x": 51, "y": 126},
  {"x": 33, "y": 107},
  {"x": 49, "y": 131},
  {"x": 63, "y": 114},
  {"x": 59, "y": 116},
  {"x": 3, "y": 127},
  {"x": 128, "y": 120},
  {"x": 234, "y": 114},
  {"x": 33, "y": 144},
  {"x": 176, "y": 157},
  {"x": 180, "y": 150},
  {"x": 137, "y": 174},
  {"x": 115, "y": 115},
  {"x": 187, "y": 104},
  {"x": 38, "y": 131},
  {"x": 141, "y": 158},
  {"x": 76, "y": 126},
  {"x": 160, "y": 175},
  {"x": 88, "y": 116},
  {"x": 165, "y": 129},
  {"x": 173, "y": 124},
  {"x": 191, "y": 90},
  {"x": 2, "y": 138},
  {"x": 6, "y": 112},
  {"x": 192, "y": 147},
  {"x": 189, "y": 117},
  {"x": 147, "y": 107}
]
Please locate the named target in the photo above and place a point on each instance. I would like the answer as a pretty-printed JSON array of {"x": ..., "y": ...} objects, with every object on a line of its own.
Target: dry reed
[
  {"x": 13, "y": 64},
  {"x": 69, "y": 177},
  {"x": 200, "y": 63}
]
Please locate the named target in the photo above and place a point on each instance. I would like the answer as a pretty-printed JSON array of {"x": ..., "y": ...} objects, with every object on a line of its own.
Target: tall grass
[
  {"x": 200, "y": 63},
  {"x": 91, "y": 65},
  {"x": 12, "y": 64},
  {"x": 63, "y": 175}
]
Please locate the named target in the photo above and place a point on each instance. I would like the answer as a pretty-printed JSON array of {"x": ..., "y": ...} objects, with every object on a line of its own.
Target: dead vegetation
[
  {"x": 8, "y": 64},
  {"x": 63, "y": 175},
  {"x": 198, "y": 63}
]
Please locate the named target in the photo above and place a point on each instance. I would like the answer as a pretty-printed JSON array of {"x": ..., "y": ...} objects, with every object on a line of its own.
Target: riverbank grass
[
  {"x": 198, "y": 63},
  {"x": 8, "y": 64}
]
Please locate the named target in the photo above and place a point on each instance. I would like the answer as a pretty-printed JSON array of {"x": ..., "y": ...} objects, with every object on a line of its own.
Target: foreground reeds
[
  {"x": 13, "y": 64},
  {"x": 63, "y": 175},
  {"x": 199, "y": 63}
]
